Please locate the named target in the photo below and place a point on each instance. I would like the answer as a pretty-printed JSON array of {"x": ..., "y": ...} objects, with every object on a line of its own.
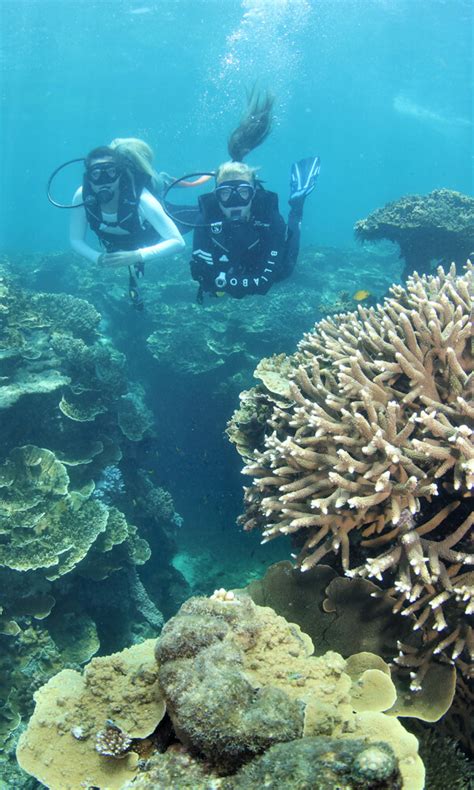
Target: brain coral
[{"x": 371, "y": 456}]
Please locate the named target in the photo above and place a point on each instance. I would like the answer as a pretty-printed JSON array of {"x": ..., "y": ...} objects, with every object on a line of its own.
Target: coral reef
[
  {"x": 226, "y": 336},
  {"x": 371, "y": 457},
  {"x": 134, "y": 417},
  {"x": 68, "y": 553},
  {"x": 46, "y": 527},
  {"x": 238, "y": 682},
  {"x": 351, "y": 616},
  {"x": 438, "y": 226}
]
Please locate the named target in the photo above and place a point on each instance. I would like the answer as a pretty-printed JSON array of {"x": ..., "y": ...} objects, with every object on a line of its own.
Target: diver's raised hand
[{"x": 110, "y": 260}]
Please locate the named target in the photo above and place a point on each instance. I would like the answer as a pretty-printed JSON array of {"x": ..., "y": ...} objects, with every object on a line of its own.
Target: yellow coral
[{"x": 59, "y": 746}]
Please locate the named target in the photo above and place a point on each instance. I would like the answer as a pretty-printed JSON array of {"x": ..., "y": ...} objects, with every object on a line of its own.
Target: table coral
[
  {"x": 438, "y": 226},
  {"x": 372, "y": 456}
]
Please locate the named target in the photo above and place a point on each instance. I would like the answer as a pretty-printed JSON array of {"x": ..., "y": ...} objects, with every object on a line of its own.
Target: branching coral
[{"x": 373, "y": 456}]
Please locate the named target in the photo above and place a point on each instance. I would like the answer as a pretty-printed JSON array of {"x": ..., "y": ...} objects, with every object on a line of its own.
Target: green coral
[
  {"x": 134, "y": 417},
  {"x": 43, "y": 525}
]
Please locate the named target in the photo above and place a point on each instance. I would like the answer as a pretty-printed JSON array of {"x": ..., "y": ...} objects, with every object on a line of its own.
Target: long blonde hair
[{"x": 139, "y": 154}]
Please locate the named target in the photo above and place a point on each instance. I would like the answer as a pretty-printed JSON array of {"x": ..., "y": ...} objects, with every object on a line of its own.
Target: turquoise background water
[{"x": 380, "y": 89}]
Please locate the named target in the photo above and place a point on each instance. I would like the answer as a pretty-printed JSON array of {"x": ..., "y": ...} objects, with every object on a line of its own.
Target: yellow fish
[
  {"x": 220, "y": 293},
  {"x": 359, "y": 296}
]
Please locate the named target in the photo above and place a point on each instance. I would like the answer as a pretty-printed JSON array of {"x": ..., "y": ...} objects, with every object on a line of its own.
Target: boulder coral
[
  {"x": 238, "y": 679},
  {"x": 369, "y": 457}
]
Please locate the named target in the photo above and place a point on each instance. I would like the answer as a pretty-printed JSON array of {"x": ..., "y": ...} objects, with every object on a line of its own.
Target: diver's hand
[{"x": 111, "y": 260}]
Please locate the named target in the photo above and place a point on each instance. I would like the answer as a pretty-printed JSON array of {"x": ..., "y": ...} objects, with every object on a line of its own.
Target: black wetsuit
[{"x": 252, "y": 254}]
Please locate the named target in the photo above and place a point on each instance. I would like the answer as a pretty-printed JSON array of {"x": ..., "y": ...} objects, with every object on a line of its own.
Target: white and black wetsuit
[
  {"x": 251, "y": 254},
  {"x": 140, "y": 223}
]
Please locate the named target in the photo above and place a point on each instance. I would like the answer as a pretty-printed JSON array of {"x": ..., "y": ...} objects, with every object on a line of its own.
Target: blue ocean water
[{"x": 380, "y": 89}]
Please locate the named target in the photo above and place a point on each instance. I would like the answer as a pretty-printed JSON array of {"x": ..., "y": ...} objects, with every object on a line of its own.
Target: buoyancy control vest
[
  {"x": 243, "y": 243},
  {"x": 134, "y": 232}
]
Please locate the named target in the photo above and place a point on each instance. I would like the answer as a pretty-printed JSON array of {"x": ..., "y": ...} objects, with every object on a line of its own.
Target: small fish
[{"x": 359, "y": 296}]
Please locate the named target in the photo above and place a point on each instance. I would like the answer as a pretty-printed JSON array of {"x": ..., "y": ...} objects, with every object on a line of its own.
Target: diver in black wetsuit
[{"x": 243, "y": 245}]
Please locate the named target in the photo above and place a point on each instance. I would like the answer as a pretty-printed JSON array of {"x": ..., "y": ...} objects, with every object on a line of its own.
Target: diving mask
[
  {"x": 103, "y": 173},
  {"x": 234, "y": 194}
]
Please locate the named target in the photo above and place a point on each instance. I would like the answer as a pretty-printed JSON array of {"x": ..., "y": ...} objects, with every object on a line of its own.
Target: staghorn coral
[
  {"x": 373, "y": 455},
  {"x": 438, "y": 226}
]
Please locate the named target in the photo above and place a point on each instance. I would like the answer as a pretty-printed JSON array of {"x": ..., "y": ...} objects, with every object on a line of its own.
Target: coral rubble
[{"x": 370, "y": 457}]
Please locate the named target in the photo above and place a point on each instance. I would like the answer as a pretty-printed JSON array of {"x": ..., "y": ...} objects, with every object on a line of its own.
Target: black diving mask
[
  {"x": 103, "y": 174},
  {"x": 232, "y": 194}
]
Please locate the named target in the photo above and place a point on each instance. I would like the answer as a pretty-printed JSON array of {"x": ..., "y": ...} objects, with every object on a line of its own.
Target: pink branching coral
[{"x": 371, "y": 457}]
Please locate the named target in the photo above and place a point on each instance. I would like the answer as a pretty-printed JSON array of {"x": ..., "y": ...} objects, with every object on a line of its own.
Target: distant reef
[{"x": 434, "y": 228}]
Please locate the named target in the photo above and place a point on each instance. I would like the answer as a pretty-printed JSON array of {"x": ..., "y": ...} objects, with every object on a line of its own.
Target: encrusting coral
[
  {"x": 371, "y": 455},
  {"x": 438, "y": 226},
  {"x": 82, "y": 724},
  {"x": 351, "y": 616}
]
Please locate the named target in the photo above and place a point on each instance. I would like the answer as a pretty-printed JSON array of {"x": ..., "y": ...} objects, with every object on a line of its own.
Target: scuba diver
[
  {"x": 120, "y": 201},
  {"x": 242, "y": 245},
  {"x": 120, "y": 207}
]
